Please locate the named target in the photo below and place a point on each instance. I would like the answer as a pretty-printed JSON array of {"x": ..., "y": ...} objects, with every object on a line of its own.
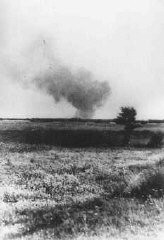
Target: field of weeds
[
  {"x": 78, "y": 133},
  {"x": 95, "y": 193}
]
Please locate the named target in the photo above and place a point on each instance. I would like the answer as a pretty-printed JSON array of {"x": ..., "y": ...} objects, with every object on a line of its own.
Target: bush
[
  {"x": 127, "y": 117},
  {"x": 156, "y": 140}
]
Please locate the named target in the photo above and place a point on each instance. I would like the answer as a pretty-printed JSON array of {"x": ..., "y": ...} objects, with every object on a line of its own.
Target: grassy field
[
  {"x": 50, "y": 192},
  {"x": 23, "y": 124},
  {"x": 75, "y": 133}
]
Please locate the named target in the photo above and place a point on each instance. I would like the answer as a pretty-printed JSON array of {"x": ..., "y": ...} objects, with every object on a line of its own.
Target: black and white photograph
[{"x": 81, "y": 119}]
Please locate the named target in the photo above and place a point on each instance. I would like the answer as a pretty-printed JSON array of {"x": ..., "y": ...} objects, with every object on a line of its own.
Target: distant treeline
[
  {"x": 79, "y": 120},
  {"x": 59, "y": 120}
]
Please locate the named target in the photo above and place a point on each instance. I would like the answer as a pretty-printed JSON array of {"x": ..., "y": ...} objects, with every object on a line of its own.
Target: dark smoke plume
[
  {"x": 80, "y": 89},
  {"x": 41, "y": 69}
]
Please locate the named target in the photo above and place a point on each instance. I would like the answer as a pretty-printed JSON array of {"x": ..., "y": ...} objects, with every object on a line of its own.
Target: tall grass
[
  {"x": 65, "y": 193},
  {"x": 156, "y": 140},
  {"x": 77, "y": 137}
]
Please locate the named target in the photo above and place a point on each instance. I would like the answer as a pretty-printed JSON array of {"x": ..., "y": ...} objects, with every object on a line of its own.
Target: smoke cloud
[
  {"x": 40, "y": 68},
  {"x": 80, "y": 89}
]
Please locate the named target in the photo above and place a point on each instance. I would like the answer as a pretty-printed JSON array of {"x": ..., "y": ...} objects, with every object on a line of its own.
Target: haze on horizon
[{"x": 121, "y": 42}]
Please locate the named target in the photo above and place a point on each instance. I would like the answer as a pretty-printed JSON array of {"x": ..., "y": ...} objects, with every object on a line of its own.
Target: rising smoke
[
  {"x": 80, "y": 89},
  {"x": 41, "y": 69}
]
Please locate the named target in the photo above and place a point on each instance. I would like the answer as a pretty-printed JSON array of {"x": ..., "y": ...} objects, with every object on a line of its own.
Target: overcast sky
[{"x": 120, "y": 41}]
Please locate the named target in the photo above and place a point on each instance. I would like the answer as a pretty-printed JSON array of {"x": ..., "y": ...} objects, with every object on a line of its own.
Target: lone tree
[{"x": 127, "y": 117}]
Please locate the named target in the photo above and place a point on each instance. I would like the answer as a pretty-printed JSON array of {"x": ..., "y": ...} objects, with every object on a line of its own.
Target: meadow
[
  {"x": 75, "y": 132},
  {"x": 49, "y": 191}
]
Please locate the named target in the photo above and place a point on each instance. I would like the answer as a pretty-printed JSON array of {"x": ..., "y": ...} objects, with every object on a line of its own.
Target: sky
[{"x": 121, "y": 42}]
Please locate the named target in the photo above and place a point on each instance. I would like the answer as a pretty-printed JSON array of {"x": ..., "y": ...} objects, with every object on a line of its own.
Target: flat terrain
[
  {"x": 74, "y": 133},
  {"x": 50, "y": 192},
  {"x": 72, "y": 124}
]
